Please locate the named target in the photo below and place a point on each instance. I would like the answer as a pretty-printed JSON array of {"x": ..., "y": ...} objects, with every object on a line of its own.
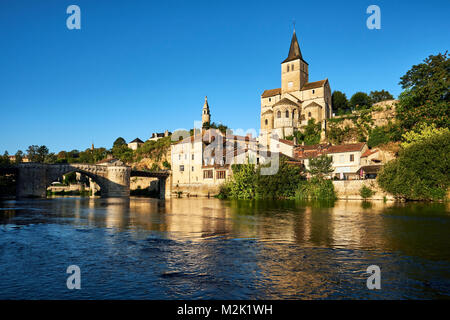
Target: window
[
  {"x": 292, "y": 67},
  {"x": 314, "y": 91},
  {"x": 181, "y": 168},
  {"x": 352, "y": 157},
  {"x": 332, "y": 159},
  {"x": 288, "y": 68},
  {"x": 287, "y": 114},
  {"x": 207, "y": 174},
  {"x": 309, "y": 114},
  {"x": 220, "y": 175},
  {"x": 270, "y": 99},
  {"x": 192, "y": 156},
  {"x": 267, "y": 122},
  {"x": 279, "y": 114},
  {"x": 192, "y": 168},
  {"x": 293, "y": 114},
  {"x": 179, "y": 157}
]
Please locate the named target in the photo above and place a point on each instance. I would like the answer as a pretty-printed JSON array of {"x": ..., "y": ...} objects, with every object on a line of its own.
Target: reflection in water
[{"x": 208, "y": 248}]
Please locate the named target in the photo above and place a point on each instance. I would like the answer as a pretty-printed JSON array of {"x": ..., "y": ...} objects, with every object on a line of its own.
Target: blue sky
[{"x": 137, "y": 67}]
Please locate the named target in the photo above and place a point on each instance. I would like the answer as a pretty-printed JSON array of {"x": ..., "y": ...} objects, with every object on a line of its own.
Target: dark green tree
[
  {"x": 37, "y": 153},
  {"x": 360, "y": 100},
  {"x": 340, "y": 101},
  {"x": 421, "y": 172},
  {"x": 119, "y": 142},
  {"x": 19, "y": 156},
  {"x": 378, "y": 96},
  {"x": 426, "y": 95}
]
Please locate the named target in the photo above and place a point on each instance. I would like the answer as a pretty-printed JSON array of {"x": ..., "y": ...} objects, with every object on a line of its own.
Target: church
[{"x": 287, "y": 109}]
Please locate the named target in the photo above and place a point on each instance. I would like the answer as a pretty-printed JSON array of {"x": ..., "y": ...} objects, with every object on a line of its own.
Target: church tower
[
  {"x": 294, "y": 70},
  {"x": 206, "y": 116}
]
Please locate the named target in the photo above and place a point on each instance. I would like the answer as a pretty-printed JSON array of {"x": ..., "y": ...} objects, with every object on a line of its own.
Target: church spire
[
  {"x": 206, "y": 116},
  {"x": 294, "y": 50}
]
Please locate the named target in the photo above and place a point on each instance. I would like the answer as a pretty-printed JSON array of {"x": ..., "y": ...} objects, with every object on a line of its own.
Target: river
[{"x": 215, "y": 249}]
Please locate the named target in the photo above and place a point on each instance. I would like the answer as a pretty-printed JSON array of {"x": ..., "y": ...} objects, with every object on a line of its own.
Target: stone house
[{"x": 135, "y": 144}]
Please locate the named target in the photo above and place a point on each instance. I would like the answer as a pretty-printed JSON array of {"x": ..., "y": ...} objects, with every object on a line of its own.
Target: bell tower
[
  {"x": 294, "y": 70},
  {"x": 206, "y": 116}
]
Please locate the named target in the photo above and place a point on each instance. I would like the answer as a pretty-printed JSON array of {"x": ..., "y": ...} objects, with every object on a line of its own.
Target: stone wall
[
  {"x": 144, "y": 183},
  {"x": 349, "y": 189},
  {"x": 194, "y": 190}
]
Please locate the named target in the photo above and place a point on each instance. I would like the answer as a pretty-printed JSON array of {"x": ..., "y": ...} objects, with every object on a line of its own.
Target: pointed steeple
[
  {"x": 294, "y": 50},
  {"x": 206, "y": 115}
]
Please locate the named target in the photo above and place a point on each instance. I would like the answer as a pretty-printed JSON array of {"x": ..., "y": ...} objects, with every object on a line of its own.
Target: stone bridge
[{"x": 33, "y": 179}]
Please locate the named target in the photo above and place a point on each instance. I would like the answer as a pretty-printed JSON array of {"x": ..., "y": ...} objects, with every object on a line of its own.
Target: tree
[
  {"x": 119, "y": 142},
  {"x": 19, "y": 156},
  {"x": 423, "y": 132},
  {"x": 37, "y": 153},
  {"x": 320, "y": 166},
  {"x": 310, "y": 134},
  {"x": 378, "y": 96},
  {"x": 360, "y": 100},
  {"x": 421, "y": 172},
  {"x": 4, "y": 159},
  {"x": 426, "y": 94},
  {"x": 339, "y": 100}
]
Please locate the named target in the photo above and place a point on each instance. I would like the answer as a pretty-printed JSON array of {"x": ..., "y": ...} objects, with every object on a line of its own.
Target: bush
[
  {"x": 421, "y": 172},
  {"x": 316, "y": 189},
  {"x": 366, "y": 192}
]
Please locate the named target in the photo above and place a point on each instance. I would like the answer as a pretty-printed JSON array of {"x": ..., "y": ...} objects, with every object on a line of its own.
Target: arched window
[
  {"x": 293, "y": 114},
  {"x": 279, "y": 114},
  {"x": 288, "y": 68},
  {"x": 267, "y": 122},
  {"x": 287, "y": 113}
]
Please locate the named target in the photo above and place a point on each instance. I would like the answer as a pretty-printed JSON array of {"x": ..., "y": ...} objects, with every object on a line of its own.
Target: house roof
[
  {"x": 137, "y": 140},
  {"x": 313, "y": 85},
  {"x": 271, "y": 92},
  {"x": 289, "y": 142},
  {"x": 369, "y": 152},
  {"x": 345, "y": 148},
  {"x": 294, "y": 50}
]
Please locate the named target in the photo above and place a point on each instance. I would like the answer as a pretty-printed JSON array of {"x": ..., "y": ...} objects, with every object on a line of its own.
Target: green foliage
[
  {"x": 222, "y": 128},
  {"x": 310, "y": 134},
  {"x": 4, "y": 159},
  {"x": 378, "y": 136},
  {"x": 360, "y": 100},
  {"x": 37, "y": 153},
  {"x": 340, "y": 102},
  {"x": 366, "y": 192},
  {"x": 378, "y": 96},
  {"x": 119, "y": 142},
  {"x": 426, "y": 96},
  {"x": 423, "y": 132},
  {"x": 320, "y": 166},
  {"x": 421, "y": 172},
  {"x": 70, "y": 178},
  {"x": 248, "y": 182},
  {"x": 19, "y": 156},
  {"x": 154, "y": 149},
  {"x": 166, "y": 164},
  {"x": 384, "y": 134},
  {"x": 316, "y": 189}
]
